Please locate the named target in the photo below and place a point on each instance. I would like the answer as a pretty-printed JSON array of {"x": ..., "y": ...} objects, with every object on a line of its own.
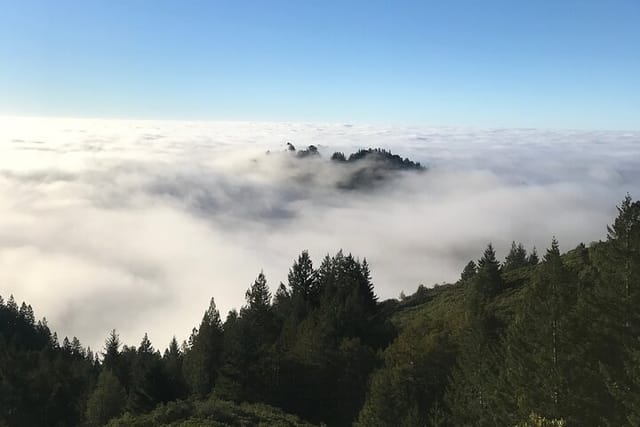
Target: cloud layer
[{"x": 134, "y": 225}]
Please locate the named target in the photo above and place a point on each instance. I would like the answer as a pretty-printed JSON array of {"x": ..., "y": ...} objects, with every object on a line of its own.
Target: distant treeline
[
  {"x": 363, "y": 169},
  {"x": 530, "y": 341},
  {"x": 380, "y": 155}
]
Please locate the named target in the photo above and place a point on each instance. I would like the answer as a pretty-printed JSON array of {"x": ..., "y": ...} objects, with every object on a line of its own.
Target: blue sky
[{"x": 560, "y": 64}]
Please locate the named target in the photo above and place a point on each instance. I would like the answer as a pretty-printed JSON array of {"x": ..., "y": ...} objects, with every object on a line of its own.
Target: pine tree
[
  {"x": 107, "y": 400},
  {"x": 469, "y": 271},
  {"x": 26, "y": 312},
  {"x": 258, "y": 296},
  {"x": 202, "y": 361},
  {"x": 614, "y": 317},
  {"x": 488, "y": 261},
  {"x": 471, "y": 395},
  {"x": 76, "y": 348},
  {"x": 66, "y": 345},
  {"x": 12, "y": 305},
  {"x": 111, "y": 352},
  {"x": 173, "y": 360},
  {"x": 487, "y": 282},
  {"x": 302, "y": 277},
  {"x": 148, "y": 385},
  {"x": 623, "y": 240},
  {"x": 366, "y": 284},
  {"x": 517, "y": 257},
  {"x": 541, "y": 347}
]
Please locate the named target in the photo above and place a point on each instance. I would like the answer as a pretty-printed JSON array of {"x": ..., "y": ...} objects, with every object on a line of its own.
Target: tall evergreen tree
[
  {"x": 487, "y": 282},
  {"x": 616, "y": 319},
  {"x": 533, "y": 259},
  {"x": 516, "y": 258},
  {"x": 302, "y": 278},
  {"x": 172, "y": 361},
  {"x": 541, "y": 347},
  {"x": 111, "y": 351},
  {"x": 258, "y": 296},
  {"x": 469, "y": 271},
  {"x": 202, "y": 360},
  {"x": 148, "y": 383},
  {"x": 471, "y": 395},
  {"x": 107, "y": 400}
]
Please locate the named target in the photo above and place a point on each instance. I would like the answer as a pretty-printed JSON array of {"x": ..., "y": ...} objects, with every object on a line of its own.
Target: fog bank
[{"x": 134, "y": 225}]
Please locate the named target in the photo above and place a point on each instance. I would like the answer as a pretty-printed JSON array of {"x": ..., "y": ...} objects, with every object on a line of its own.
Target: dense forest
[{"x": 549, "y": 340}]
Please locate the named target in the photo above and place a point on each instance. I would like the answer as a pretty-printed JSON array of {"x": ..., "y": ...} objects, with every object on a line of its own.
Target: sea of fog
[{"x": 135, "y": 225}]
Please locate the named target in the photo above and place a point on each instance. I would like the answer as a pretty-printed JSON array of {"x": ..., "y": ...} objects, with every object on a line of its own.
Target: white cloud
[{"x": 134, "y": 225}]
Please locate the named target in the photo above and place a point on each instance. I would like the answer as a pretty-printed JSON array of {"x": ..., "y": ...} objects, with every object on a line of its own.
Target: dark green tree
[
  {"x": 516, "y": 258},
  {"x": 469, "y": 271},
  {"x": 487, "y": 282},
  {"x": 107, "y": 399},
  {"x": 202, "y": 360},
  {"x": 613, "y": 316},
  {"x": 258, "y": 296},
  {"x": 533, "y": 259},
  {"x": 172, "y": 361},
  {"x": 148, "y": 385},
  {"x": 471, "y": 395},
  {"x": 542, "y": 346},
  {"x": 111, "y": 354},
  {"x": 302, "y": 278}
]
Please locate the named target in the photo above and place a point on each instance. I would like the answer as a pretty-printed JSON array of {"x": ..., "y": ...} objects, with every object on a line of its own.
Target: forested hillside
[{"x": 549, "y": 340}]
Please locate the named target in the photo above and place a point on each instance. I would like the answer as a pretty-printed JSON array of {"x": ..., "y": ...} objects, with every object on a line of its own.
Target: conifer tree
[
  {"x": 12, "y": 305},
  {"x": 616, "y": 319},
  {"x": 541, "y": 347},
  {"x": 202, "y": 361},
  {"x": 366, "y": 284},
  {"x": 148, "y": 384},
  {"x": 471, "y": 395},
  {"x": 258, "y": 296},
  {"x": 173, "y": 360},
  {"x": 517, "y": 257},
  {"x": 487, "y": 282},
  {"x": 76, "y": 348},
  {"x": 469, "y": 271},
  {"x": 112, "y": 351},
  {"x": 302, "y": 277},
  {"x": 107, "y": 400}
]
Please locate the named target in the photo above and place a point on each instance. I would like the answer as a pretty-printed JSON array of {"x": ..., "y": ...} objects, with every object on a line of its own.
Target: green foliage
[
  {"x": 412, "y": 380},
  {"x": 540, "y": 363},
  {"x": 517, "y": 258},
  {"x": 201, "y": 363},
  {"x": 107, "y": 400},
  {"x": 211, "y": 412},
  {"x": 40, "y": 382},
  {"x": 535, "y": 420},
  {"x": 469, "y": 271}
]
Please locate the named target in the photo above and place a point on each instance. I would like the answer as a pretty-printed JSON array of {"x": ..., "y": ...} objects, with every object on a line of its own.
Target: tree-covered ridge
[
  {"x": 363, "y": 169},
  {"x": 530, "y": 341},
  {"x": 385, "y": 158}
]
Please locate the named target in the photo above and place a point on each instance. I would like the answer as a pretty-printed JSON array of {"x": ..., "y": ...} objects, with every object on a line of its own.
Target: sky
[{"x": 543, "y": 64}]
